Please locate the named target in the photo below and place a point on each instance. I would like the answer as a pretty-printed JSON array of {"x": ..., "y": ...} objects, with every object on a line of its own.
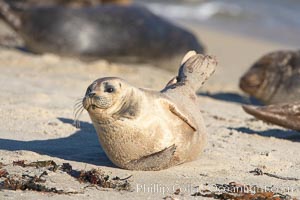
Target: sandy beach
[{"x": 36, "y": 114}]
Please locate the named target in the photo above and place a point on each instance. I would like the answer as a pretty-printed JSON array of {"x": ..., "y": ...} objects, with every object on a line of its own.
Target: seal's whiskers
[
  {"x": 77, "y": 105},
  {"x": 77, "y": 114},
  {"x": 79, "y": 100},
  {"x": 78, "y": 109}
]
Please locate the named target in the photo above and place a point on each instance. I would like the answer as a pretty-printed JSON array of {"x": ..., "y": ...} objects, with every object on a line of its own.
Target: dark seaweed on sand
[
  {"x": 97, "y": 177},
  {"x": 49, "y": 164},
  {"x": 35, "y": 183},
  {"x": 3, "y": 173},
  {"x": 27, "y": 183}
]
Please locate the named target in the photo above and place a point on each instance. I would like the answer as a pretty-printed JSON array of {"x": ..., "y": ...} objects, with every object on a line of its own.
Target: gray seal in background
[{"x": 113, "y": 32}]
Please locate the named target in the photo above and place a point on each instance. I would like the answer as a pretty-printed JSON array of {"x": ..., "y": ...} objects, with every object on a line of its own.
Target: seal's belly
[{"x": 130, "y": 140}]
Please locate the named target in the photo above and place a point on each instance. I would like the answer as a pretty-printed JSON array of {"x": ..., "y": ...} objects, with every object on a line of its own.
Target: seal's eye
[{"x": 109, "y": 89}]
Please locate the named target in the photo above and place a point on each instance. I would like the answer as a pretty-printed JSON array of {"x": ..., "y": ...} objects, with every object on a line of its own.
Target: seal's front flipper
[
  {"x": 156, "y": 161},
  {"x": 196, "y": 69},
  {"x": 286, "y": 115},
  {"x": 180, "y": 112}
]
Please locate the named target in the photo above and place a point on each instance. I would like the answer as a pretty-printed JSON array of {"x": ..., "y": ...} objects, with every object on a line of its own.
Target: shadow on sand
[
  {"x": 277, "y": 133},
  {"x": 232, "y": 97},
  {"x": 237, "y": 98},
  {"x": 82, "y": 146}
]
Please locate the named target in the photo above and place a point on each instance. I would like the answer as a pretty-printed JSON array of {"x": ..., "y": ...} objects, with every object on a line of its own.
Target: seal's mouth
[
  {"x": 89, "y": 103},
  {"x": 95, "y": 101}
]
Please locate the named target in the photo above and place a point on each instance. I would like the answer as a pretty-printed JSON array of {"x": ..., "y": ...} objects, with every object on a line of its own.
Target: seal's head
[
  {"x": 254, "y": 81},
  {"x": 110, "y": 97},
  {"x": 266, "y": 75},
  {"x": 102, "y": 93}
]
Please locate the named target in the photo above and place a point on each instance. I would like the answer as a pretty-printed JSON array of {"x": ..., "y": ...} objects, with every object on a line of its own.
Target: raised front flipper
[
  {"x": 286, "y": 115},
  {"x": 195, "y": 69},
  {"x": 156, "y": 161}
]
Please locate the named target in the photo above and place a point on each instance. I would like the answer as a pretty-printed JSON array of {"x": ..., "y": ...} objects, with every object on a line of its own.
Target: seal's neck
[{"x": 128, "y": 106}]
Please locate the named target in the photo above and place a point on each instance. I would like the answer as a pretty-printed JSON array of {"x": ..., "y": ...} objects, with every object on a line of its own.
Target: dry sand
[{"x": 38, "y": 92}]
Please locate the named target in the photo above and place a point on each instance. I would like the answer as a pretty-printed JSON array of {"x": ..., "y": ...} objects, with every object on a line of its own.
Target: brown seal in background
[
  {"x": 286, "y": 114},
  {"x": 274, "y": 78}
]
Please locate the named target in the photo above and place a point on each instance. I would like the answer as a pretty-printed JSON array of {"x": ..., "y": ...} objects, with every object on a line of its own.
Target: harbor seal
[
  {"x": 113, "y": 32},
  {"x": 286, "y": 114},
  {"x": 275, "y": 78},
  {"x": 141, "y": 129}
]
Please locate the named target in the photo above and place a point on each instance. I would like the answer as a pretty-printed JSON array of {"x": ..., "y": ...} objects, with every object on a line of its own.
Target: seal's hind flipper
[
  {"x": 285, "y": 115},
  {"x": 196, "y": 69},
  {"x": 156, "y": 161}
]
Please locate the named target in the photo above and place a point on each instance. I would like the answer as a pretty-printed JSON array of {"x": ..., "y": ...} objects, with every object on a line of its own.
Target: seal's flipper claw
[
  {"x": 173, "y": 81},
  {"x": 196, "y": 69},
  {"x": 156, "y": 161},
  {"x": 252, "y": 110},
  {"x": 187, "y": 56},
  {"x": 285, "y": 115}
]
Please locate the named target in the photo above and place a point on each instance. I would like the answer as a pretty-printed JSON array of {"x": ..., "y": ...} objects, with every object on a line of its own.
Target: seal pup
[
  {"x": 286, "y": 115},
  {"x": 274, "y": 78},
  {"x": 141, "y": 129},
  {"x": 114, "y": 32}
]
